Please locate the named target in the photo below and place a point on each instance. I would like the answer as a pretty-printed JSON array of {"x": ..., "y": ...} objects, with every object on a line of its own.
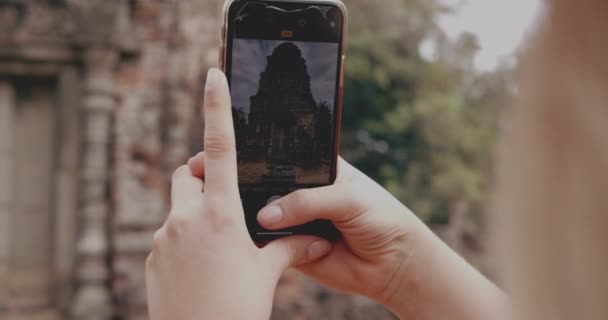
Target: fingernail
[
  {"x": 213, "y": 78},
  {"x": 318, "y": 249},
  {"x": 271, "y": 215}
]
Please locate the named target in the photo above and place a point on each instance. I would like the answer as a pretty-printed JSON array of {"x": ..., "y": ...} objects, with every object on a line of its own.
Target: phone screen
[
  {"x": 284, "y": 100},
  {"x": 283, "y": 62}
]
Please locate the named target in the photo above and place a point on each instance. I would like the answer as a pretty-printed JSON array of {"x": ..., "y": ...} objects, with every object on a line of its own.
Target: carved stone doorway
[{"x": 32, "y": 192}]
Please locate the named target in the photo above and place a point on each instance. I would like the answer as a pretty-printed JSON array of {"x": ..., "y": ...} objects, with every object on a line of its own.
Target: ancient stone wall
[{"x": 120, "y": 86}]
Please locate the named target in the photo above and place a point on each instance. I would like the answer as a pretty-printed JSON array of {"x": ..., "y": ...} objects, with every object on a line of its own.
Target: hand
[
  {"x": 203, "y": 264},
  {"x": 386, "y": 252},
  {"x": 380, "y": 236}
]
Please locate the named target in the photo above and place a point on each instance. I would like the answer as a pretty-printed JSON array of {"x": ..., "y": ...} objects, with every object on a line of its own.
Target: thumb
[{"x": 295, "y": 251}]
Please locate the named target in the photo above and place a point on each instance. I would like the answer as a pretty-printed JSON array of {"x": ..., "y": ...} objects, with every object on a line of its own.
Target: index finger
[{"x": 219, "y": 141}]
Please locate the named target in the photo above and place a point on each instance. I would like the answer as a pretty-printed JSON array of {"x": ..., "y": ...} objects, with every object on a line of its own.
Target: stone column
[
  {"x": 7, "y": 105},
  {"x": 92, "y": 300}
]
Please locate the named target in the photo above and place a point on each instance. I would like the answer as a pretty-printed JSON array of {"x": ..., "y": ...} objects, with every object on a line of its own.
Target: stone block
[
  {"x": 134, "y": 242},
  {"x": 31, "y": 234},
  {"x": 5, "y": 240},
  {"x": 47, "y": 314},
  {"x": 7, "y": 107},
  {"x": 4, "y": 255},
  {"x": 6, "y": 180},
  {"x": 139, "y": 206},
  {"x": 65, "y": 224}
]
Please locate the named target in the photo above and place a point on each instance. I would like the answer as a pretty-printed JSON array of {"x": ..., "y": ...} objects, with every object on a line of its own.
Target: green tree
[{"x": 422, "y": 128}]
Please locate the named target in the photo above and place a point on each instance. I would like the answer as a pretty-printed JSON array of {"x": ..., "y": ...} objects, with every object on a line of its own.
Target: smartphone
[{"x": 284, "y": 61}]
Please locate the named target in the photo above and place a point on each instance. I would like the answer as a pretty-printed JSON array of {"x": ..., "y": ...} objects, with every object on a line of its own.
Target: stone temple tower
[{"x": 281, "y": 118}]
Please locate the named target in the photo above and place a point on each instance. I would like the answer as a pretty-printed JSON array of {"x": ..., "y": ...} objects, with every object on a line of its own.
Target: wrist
[
  {"x": 436, "y": 283},
  {"x": 407, "y": 295}
]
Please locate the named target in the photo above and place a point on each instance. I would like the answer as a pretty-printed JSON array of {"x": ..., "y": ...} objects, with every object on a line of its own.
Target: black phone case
[{"x": 256, "y": 197}]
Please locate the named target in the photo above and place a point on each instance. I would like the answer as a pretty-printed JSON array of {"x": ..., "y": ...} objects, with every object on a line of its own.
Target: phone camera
[{"x": 333, "y": 16}]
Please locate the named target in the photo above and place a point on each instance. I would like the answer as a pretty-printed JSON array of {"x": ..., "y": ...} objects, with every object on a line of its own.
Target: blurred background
[{"x": 98, "y": 106}]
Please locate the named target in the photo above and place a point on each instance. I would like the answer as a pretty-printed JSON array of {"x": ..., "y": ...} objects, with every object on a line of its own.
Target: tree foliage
[{"x": 423, "y": 128}]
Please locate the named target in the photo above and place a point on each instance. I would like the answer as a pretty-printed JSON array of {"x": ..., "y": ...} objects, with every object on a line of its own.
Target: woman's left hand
[{"x": 203, "y": 264}]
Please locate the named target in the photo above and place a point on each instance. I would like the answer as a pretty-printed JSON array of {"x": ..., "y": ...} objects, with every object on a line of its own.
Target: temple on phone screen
[{"x": 283, "y": 101}]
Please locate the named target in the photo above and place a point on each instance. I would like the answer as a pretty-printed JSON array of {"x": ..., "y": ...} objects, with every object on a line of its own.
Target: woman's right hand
[
  {"x": 386, "y": 253},
  {"x": 379, "y": 234}
]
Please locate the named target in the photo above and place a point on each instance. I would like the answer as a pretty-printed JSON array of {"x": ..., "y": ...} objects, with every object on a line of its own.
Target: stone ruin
[{"x": 97, "y": 101}]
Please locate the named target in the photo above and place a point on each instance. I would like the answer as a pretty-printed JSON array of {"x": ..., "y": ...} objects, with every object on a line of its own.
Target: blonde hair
[{"x": 551, "y": 206}]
